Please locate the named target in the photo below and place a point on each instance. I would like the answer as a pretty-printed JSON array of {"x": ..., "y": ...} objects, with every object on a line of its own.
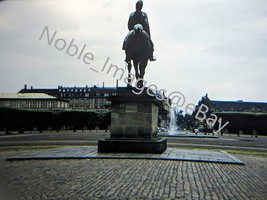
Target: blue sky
[{"x": 202, "y": 46}]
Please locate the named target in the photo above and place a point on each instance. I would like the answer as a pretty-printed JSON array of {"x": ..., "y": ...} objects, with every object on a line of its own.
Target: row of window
[
  {"x": 33, "y": 104},
  {"x": 89, "y": 103},
  {"x": 73, "y": 103},
  {"x": 74, "y": 90},
  {"x": 86, "y": 94}
]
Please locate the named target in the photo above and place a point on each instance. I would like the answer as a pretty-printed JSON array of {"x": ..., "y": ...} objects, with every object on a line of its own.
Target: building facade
[
  {"x": 80, "y": 98},
  {"x": 91, "y": 99},
  {"x": 243, "y": 117}
]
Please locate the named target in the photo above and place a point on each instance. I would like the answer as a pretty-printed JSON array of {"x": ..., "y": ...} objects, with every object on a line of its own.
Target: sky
[{"x": 218, "y": 47}]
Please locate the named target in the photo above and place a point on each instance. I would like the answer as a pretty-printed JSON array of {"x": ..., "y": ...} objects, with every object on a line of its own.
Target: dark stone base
[{"x": 132, "y": 145}]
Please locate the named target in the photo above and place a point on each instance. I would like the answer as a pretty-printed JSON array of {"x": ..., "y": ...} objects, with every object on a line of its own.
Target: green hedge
[
  {"x": 22, "y": 120},
  {"x": 246, "y": 122}
]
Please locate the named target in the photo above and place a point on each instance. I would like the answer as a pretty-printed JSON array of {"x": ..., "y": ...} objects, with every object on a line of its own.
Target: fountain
[{"x": 173, "y": 128}]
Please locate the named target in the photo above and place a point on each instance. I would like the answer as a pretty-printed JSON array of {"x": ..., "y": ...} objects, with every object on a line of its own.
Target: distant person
[{"x": 139, "y": 17}]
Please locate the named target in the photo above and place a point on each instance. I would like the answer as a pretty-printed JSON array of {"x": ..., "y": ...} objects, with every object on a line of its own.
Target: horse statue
[{"x": 138, "y": 48}]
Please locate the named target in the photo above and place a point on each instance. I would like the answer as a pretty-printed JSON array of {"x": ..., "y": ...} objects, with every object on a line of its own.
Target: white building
[{"x": 32, "y": 101}]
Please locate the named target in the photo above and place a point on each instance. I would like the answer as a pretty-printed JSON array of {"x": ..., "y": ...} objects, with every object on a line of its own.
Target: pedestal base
[
  {"x": 134, "y": 122},
  {"x": 132, "y": 145}
]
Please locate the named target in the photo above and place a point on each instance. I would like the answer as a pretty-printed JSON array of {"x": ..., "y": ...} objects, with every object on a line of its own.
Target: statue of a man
[{"x": 139, "y": 17}]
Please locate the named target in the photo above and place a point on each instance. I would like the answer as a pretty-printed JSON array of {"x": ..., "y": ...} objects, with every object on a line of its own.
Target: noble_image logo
[{"x": 175, "y": 98}]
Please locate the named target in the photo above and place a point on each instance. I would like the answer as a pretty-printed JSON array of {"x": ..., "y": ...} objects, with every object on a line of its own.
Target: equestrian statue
[{"x": 138, "y": 45}]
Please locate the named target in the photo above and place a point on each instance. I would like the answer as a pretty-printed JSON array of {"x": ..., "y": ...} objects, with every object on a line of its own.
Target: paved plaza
[
  {"x": 133, "y": 179},
  {"x": 129, "y": 178}
]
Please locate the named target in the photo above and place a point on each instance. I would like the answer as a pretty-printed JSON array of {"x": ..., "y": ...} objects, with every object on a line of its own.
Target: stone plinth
[
  {"x": 157, "y": 145},
  {"x": 134, "y": 119}
]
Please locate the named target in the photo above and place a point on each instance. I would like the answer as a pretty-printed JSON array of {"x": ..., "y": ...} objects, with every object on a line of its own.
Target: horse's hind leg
[
  {"x": 142, "y": 67},
  {"x": 129, "y": 65},
  {"x": 137, "y": 74}
]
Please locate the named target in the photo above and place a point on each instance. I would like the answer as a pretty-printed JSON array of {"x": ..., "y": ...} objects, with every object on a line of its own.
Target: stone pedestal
[{"x": 134, "y": 119}]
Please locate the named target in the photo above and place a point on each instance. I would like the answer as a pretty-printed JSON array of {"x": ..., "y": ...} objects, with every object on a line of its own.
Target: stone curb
[{"x": 91, "y": 153}]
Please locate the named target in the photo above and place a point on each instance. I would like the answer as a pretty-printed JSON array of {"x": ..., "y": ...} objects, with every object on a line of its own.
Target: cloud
[{"x": 206, "y": 46}]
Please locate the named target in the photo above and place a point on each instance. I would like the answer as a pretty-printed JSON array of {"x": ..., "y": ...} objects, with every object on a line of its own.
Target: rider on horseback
[
  {"x": 139, "y": 17},
  {"x": 138, "y": 49}
]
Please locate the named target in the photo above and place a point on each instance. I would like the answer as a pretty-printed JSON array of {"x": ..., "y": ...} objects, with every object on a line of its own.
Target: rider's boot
[
  {"x": 128, "y": 61},
  {"x": 152, "y": 58}
]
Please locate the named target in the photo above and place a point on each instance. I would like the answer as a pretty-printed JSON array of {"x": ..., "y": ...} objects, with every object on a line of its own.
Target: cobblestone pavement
[{"x": 134, "y": 179}]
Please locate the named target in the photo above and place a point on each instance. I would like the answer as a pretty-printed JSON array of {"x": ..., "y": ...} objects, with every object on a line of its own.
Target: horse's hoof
[{"x": 140, "y": 85}]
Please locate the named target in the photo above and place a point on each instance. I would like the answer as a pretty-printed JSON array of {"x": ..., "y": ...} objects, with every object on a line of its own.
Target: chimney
[
  {"x": 117, "y": 83},
  {"x": 31, "y": 87},
  {"x": 25, "y": 87}
]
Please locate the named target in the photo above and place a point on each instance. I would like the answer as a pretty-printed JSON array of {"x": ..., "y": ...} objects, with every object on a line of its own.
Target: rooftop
[{"x": 237, "y": 106}]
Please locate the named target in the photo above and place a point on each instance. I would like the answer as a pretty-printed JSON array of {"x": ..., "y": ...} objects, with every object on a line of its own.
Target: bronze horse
[{"x": 138, "y": 49}]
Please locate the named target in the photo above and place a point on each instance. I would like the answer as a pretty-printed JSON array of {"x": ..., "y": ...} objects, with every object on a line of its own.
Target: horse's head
[{"x": 138, "y": 28}]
